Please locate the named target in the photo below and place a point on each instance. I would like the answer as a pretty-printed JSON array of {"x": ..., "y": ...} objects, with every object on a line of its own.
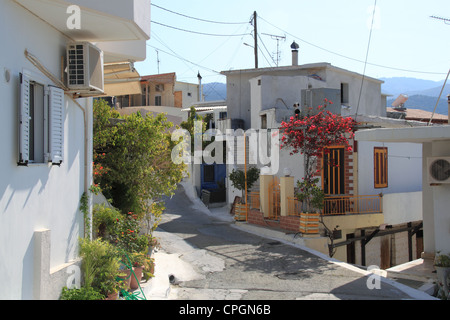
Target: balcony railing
[{"x": 342, "y": 205}]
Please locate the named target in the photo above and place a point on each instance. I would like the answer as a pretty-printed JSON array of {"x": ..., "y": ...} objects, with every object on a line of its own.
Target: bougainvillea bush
[{"x": 310, "y": 136}]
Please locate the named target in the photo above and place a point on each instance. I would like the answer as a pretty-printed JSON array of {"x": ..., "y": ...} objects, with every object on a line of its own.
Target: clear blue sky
[{"x": 403, "y": 36}]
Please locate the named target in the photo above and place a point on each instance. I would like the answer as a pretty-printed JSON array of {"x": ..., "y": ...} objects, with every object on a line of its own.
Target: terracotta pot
[
  {"x": 136, "y": 280},
  {"x": 127, "y": 277},
  {"x": 112, "y": 296}
]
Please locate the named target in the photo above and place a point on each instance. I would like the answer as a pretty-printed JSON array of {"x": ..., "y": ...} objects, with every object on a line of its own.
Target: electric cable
[
  {"x": 347, "y": 57},
  {"x": 367, "y": 56},
  {"x": 196, "y": 32},
  {"x": 194, "y": 18}
]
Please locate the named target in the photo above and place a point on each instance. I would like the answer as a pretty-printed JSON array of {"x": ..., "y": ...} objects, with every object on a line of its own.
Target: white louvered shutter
[
  {"x": 56, "y": 125},
  {"x": 24, "y": 120}
]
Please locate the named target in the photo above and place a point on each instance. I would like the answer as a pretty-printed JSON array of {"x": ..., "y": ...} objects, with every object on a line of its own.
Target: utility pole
[{"x": 255, "y": 35}]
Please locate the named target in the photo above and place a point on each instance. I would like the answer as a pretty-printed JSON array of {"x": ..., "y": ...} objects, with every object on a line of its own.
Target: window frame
[
  {"x": 380, "y": 167},
  {"x": 48, "y": 117}
]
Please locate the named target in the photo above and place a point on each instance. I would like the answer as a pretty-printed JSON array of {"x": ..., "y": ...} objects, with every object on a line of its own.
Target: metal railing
[
  {"x": 341, "y": 205},
  {"x": 337, "y": 205}
]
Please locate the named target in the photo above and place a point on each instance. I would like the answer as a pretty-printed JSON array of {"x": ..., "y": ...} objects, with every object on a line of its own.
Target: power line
[
  {"x": 349, "y": 58},
  {"x": 194, "y": 18},
  {"x": 184, "y": 59},
  {"x": 367, "y": 55},
  {"x": 201, "y": 33}
]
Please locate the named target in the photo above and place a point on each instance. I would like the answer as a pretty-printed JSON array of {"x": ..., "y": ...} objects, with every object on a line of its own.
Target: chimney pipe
[
  {"x": 200, "y": 87},
  {"x": 294, "y": 47}
]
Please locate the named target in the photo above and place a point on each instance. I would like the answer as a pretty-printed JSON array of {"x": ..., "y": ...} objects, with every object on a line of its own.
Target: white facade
[
  {"x": 40, "y": 220},
  {"x": 435, "y": 142}
]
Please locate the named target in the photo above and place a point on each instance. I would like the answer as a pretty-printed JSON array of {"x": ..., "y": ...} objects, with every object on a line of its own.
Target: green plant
[
  {"x": 311, "y": 195},
  {"x": 132, "y": 158},
  {"x": 128, "y": 237},
  {"x": 442, "y": 260},
  {"x": 100, "y": 265},
  {"x": 237, "y": 178},
  {"x": 106, "y": 221},
  {"x": 83, "y": 293}
]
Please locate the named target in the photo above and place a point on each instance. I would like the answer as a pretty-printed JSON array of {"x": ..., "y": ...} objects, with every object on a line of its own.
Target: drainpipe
[{"x": 86, "y": 162}]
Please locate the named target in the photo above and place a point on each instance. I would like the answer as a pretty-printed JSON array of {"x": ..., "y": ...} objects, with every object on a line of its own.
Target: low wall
[
  {"x": 289, "y": 223},
  {"x": 399, "y": 208}
]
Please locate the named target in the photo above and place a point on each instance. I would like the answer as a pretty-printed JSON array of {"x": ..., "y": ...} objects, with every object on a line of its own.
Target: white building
[
  {"x": 263, "y": 98},
  {"x": 47, "y": 131}
]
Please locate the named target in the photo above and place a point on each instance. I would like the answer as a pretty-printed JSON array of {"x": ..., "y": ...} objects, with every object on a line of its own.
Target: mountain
[
  {"x": 215, "y": 91},
  {"x": 422, "y": 94},
  {"x": 399, "y": 85}
]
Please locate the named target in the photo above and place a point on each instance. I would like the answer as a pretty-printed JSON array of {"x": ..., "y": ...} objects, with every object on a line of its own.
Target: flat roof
[{"x": 412, "y": 135}]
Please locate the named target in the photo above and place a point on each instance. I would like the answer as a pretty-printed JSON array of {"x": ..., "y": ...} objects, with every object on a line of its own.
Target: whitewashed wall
[{"x": 39, "y": 196}]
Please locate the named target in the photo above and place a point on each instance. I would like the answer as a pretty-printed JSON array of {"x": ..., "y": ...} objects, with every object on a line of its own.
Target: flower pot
[
  {"x": 112, "y": 296},
  {"x": 127, "y": 277},
  {"x": 135, "y": 280}
]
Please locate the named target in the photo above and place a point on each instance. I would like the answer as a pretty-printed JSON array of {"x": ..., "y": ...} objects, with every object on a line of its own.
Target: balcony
[{"x": 119, "y": 27}]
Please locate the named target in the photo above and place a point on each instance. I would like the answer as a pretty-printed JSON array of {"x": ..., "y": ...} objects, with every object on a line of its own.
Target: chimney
[
  {"x": 200, "y": 87},
  {"x": 294, "y": 47}
]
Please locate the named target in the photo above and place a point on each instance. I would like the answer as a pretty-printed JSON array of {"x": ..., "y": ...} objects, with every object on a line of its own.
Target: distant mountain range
[{"x": 422, "y": 94}]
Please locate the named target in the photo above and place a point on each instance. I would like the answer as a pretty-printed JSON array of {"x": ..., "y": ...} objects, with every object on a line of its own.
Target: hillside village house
[
  {"x": 375, "y": 175},
  {"x": 46, "y": 126}
]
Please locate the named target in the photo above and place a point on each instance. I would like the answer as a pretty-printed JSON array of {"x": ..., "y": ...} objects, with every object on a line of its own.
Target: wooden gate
[{"x": 274, "y": 199}]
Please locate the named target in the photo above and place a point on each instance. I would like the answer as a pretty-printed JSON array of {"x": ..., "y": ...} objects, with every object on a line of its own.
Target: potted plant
[
  {"x": 138, "y": 263},
  {"x": 237, "y": 178},
  {"x": 442, "y": 266}
]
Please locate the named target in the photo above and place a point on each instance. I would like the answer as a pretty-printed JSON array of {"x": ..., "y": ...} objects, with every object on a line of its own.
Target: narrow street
[{"x": 220, "y": 261}]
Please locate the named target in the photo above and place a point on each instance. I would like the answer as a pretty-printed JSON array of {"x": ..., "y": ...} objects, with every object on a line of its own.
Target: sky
[{"x": 398, "y": 38}]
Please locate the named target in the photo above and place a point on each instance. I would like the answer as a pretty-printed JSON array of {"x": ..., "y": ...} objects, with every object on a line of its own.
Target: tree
[
  {"x": 132, "y": 159},
  {"x": 237, "y": 178},
  {"x": 310, "y": 135}
]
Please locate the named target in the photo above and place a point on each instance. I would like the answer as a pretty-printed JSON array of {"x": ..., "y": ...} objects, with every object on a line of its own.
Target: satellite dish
[{"x": 400, "y": 101}]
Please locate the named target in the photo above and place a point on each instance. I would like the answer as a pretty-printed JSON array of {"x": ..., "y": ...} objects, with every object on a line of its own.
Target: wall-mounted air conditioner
[
  {"x": 438, "y": 170},
  {"x": 85, "y": 68}
]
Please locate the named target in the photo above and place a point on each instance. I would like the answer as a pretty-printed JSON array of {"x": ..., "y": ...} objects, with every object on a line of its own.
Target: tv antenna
[{"x": 278, "y": 38}]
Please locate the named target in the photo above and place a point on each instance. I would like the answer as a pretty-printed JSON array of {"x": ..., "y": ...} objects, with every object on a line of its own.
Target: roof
[
  {"x": 411, "y": 135},
  {"x": 420, "y": 115},
  {"x": 315, "y": 66},
  {"x": 160, "y": 78}
]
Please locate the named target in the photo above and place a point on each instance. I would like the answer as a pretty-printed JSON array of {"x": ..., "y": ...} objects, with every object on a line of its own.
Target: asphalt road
[{"x": 229, "y": 263}]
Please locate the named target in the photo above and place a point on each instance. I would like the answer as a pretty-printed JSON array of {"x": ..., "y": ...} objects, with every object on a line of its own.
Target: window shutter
[
  {"x": 24, "y": 120},
  {"x": 56, "y": 125},
  {"x": 380, "y": 168}
]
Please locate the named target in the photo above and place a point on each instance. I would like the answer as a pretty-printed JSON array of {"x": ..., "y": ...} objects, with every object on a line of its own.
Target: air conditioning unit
[
  {"x": 85, "y": 68},
  {"x": 438, "y": 170}
]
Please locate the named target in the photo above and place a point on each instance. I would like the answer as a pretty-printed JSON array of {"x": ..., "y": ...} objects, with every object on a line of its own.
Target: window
[
  {"x": 264, "y": 121},
  {"x": 344, "y": 93},
  {"x": 333, "y": 171},
  {"x": 158, "y": 101},
  {"x": 41, "y": 122},
  {"x": 380, "y": 164}
]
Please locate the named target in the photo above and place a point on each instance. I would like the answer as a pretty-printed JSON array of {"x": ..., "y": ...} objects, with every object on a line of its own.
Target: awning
[{"x": 121, "y": 79}]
